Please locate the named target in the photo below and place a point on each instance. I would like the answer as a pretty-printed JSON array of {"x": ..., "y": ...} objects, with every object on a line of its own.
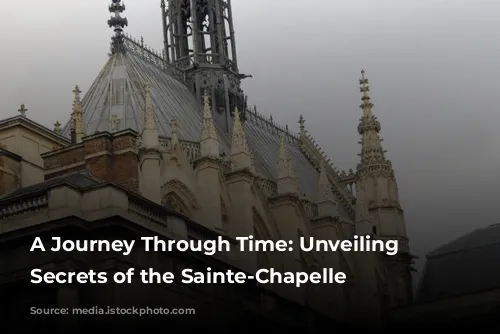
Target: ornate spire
[
  {"x": 149, "y": 134},
  {"x": 327, "y": 205},
  {"x": 57, "y": 127},
  {"x": 365, "y": 89},
  {"x": 22, "y": 110},
  {"x": 209, "y": 140},
  {"x": 369, "y": 128},
  {"x": 287, "y": 179},
  {"x": 77, "y": 116},
  {"x": 117, "y": 22},
  {"x": 240, "y": 152}
]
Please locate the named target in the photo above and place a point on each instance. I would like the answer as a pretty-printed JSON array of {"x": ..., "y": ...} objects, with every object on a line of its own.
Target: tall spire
[
  {"x": 209, "y": 140},
  {"x": 240, "y": 152},
  {"x": 369, "y": 127},
  {"x": 374, "y": 172},
  {"x": 77, "y": 116},
  {"x": 186, "y": 26},
  {"x": 117, "y": 22},
  {"x": 287, "y": 178},
  {"x": 199, "y": 38},
  {"x": 149, "y": 134}
]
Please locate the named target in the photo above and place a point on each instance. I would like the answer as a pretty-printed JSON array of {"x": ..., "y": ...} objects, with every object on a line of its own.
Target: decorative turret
[
  {"x": 209, "y": 140},
  {"x": 287, "y": 178},
  {"x": 327, "y": 204},
  {"x": 117, "y": 22},
  {"x": 78, "y": 116},
  {"x": 149, "y": 134},
  {"x": 240, "y": 152},
  {"x": 199, "y": 39}
]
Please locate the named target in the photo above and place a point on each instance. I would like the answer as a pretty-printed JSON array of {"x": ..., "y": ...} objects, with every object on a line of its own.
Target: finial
[
  {"x": 118, "y": 23},
  {"x": 142, "y": 41},
  {"x": 77, "y": 92},
  {"x": 57, "y": 127},
  {"x": 22, "y": 110},
  {"x": 147, "y": 88},
  {"x": 302, "y": 123},
  {"x": 236, "y": 114},
  {"x": 365, "y": 89}
]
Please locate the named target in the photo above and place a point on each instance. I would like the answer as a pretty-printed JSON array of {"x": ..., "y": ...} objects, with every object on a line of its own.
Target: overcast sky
[{"x": 433, "y": 66}]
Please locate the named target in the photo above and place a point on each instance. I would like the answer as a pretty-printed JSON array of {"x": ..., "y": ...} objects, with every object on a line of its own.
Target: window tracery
[{"x": 173, "y": 202}]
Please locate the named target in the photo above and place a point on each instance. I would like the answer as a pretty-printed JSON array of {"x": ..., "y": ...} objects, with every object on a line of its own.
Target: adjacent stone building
[
  {"x": 166, "y": 144},
  {"x": 460, "y": 284}
]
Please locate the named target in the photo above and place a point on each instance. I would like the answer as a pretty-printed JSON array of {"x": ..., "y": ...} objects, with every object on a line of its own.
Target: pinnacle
[
  {"x": 150, "y": 128},
  {"x": 117, "y": 22},
  {"x": 369, "y": 128},
  {"x": 209, "y": 139}
]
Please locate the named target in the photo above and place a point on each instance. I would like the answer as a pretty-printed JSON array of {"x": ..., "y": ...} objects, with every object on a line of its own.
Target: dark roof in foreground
[
  {"x": 466, "y": 265},
  {"x": 79, "y": 180}
]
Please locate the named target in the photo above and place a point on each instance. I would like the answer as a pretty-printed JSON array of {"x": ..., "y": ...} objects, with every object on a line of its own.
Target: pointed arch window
[
  {"x": 173, "y": 202},
  {"x": 260, "y": 233}
]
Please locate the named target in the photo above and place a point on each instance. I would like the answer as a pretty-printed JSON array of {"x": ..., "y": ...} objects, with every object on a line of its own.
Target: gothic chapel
[{"x": 173, "y": 132}]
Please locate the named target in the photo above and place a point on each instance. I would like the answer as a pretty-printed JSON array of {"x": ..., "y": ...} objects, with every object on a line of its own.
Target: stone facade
[
  {"x": 217, "y": 196},
  {"x": 189, "y": 164},
  {"x": 109, "y": 157}
]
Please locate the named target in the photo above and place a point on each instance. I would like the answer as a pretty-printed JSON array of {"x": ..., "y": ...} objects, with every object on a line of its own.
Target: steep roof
[
  {"x": 107, "y": 110},
  {"x": 466, "y": 265},
  {"x": 264, "y": 141}
]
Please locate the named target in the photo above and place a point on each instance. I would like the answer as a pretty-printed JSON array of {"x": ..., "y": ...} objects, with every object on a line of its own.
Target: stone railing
[
  {"x": 268, "y": 188},
  {"x": 63, "y": 199},
  {"x": 138, "y": 48},
  {"x": 142, "y": 208},
  {"x": 30, "y": 204},
  {"x": 192, "y": 149}
]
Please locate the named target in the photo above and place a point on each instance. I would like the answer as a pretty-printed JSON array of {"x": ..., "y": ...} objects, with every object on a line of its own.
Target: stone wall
[
  {"x": 10, "y": 171},
  {"x": 108, "y": 157}
]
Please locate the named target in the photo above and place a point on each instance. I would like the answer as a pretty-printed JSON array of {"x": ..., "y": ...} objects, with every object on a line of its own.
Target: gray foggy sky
[{"x": 432, "y": 66}]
